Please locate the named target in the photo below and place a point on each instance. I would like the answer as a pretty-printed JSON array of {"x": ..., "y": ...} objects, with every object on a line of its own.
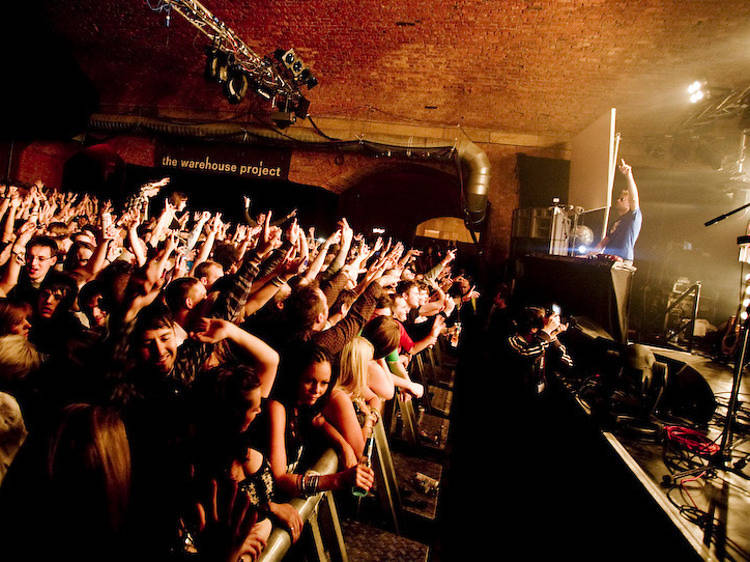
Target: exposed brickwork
[
  {"x": 539, "y": 66},
  {"x": 535, "y": 66}
]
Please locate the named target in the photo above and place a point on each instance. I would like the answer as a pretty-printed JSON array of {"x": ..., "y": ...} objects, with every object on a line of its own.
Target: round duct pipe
[{"x": 475, "y": 189}]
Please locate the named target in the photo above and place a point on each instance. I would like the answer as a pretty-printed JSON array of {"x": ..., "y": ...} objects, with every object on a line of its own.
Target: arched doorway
[{"x": 399, "y": 196}]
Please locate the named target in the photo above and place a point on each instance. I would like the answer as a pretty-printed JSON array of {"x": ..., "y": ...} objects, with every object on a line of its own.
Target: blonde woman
[{"x": 353, "y": 408}]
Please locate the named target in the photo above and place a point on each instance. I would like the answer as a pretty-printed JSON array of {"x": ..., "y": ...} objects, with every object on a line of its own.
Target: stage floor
[{"x": 723, "y": 498}]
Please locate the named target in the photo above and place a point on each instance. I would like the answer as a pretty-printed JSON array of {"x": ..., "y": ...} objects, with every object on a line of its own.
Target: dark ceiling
[{"x": 539, "y": 67}]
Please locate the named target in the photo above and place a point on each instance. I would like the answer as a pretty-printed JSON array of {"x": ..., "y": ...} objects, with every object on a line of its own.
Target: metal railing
[
  {"x": 695, "y": 291},
  {"x": 328, "y": 538}
]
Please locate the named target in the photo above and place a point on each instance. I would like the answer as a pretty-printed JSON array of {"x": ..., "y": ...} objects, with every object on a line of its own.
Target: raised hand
[
  {"x": 267, "y": 238},
  {"x": 212, "y": 330},
  {"x": 625, "y": 169}
]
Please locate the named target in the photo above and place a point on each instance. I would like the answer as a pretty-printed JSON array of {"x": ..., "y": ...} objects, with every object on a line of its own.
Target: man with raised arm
[{"x": 621, "y": 238}]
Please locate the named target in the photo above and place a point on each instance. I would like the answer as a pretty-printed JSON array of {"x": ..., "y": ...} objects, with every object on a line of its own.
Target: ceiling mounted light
[
  {"x": 283, "y": 119},
  {"x": 236, "y": 85},
  {"x": 302, "y": 107},
  {"x": 697, "y": 96},
  {"x": 307, "y": 78},
  {"x": 264, "y": 91},
  {"x": 217, "y": 65},
  {"x": 296, "y": 67},
  {"x": 697, "y": 91}
]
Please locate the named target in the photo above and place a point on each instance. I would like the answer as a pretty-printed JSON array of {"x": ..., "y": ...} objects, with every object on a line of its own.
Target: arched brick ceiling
[{"x": 541, "y": 67}]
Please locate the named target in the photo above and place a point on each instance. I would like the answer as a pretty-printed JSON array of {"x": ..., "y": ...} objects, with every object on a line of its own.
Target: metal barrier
[
  {"x": 329, "y": 533},
  {"x": 387, "y": 481},
  {"x": 695, "y": 291}
]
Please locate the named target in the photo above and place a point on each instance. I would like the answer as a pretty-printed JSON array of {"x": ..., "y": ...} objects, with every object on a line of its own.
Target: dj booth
[{"x": 594, "y": 291}]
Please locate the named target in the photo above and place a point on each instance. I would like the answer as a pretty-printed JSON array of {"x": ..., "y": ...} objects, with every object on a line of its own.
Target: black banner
[{"x": 234, "y": 160}]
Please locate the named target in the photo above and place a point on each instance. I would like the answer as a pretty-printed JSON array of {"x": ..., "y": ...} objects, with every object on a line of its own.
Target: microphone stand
[
  {"x": 725, "y": 215},
  {"x": 722, "y": 459}
]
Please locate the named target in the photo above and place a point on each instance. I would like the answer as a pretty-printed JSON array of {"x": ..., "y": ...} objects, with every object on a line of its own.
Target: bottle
[
  {"x": 366, "y": 460},
  {"x": 456, "y": 334}
]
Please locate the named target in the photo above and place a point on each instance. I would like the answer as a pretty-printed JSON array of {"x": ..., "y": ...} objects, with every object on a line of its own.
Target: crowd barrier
[{"x": 320, "y": 511}]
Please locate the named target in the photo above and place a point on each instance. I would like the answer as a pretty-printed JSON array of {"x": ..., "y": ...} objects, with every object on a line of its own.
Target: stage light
[
  {"x": 747, "y": 290},
  {"x": 264, "y": 91},
  {"x": 296, "y": 67},
  {"x": 283, "y": 119},
  {"x": 582, "y": 249},
  {"x": 746, "y": 303},
  {"x": 217, "y": 65},
  {"x": 697, "y": 91},
  {"x": 378, "y": 230},
  {"x": 302, "y": 107},
  {"x": 236, "y": 86},
  {"x": 743, "y": 315},
  {"x": 697, "y": 96}
]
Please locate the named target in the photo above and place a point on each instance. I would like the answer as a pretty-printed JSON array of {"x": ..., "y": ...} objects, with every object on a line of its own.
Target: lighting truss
[
  {"x": 260, "y": 69},
  {"x": 727, "y": 104}
]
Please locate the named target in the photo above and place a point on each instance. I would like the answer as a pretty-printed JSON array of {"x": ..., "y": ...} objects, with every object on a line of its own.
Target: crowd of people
[{"x": 167, "y": 376}]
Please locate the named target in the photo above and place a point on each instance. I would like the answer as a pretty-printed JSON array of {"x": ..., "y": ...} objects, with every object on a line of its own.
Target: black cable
[{"x": 317, "y": 130}]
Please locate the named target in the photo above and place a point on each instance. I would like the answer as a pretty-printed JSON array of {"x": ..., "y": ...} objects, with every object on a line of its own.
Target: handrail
[{"x": 280, "y": 540}]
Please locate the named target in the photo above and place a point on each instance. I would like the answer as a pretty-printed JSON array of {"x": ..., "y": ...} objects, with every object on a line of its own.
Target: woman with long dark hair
[
  {"x": 225, "y": 402},
  {"x": 295, "y": 418}
]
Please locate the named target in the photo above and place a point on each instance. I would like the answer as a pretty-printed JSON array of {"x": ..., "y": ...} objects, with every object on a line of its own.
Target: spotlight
[
  {"x": 582, "y": 249},
  {"x": 697, "y": 91},
  {"x": 308, "y": 79},
  {"x": 217, "y": 65},
  {"x": 236, "y": 86},
  {"x": 302, "y": 107},
  {"x": 266, "y": 92},
  {"x": 743, "y": 315},
  {"x": 746, "y": 303},
  {"x": 283, "y": 119},
  {"x": 296, "y": 67},
  {"x": 747, "y": 290}
]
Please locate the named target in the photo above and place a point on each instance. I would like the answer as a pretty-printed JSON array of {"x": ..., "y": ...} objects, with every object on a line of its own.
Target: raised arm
[
  {"x": 165, "y": 219},
  {"x": 346, "y": 241},
  {"x": 213, "y": 330},
  {"x": 627, "y": 171},
  {"x": 433, "y": 274},
  {"x": 13, "y": 268}
]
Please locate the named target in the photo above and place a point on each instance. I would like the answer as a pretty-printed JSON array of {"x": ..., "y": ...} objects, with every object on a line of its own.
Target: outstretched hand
[
  {"x": 625, "y": 169},
  {"x": 212, "y": 330}
]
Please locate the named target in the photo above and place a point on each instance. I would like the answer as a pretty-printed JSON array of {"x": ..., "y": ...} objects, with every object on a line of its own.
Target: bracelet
[{"x": 308, "y": 484}]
